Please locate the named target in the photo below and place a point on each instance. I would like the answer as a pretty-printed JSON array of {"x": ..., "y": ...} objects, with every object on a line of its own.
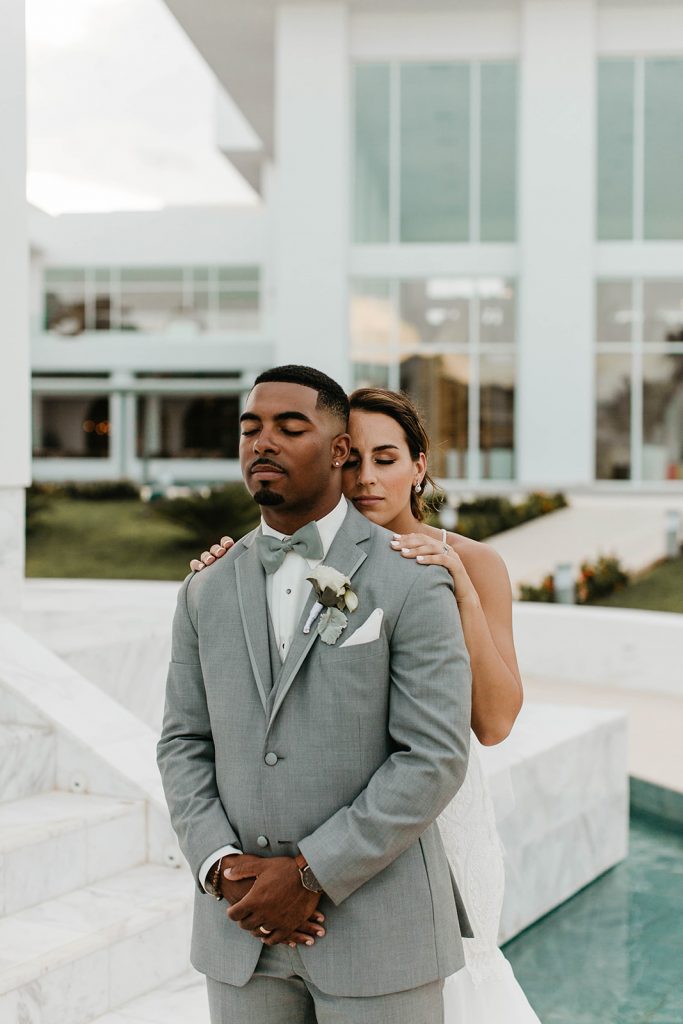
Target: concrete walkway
[{"x": 632, "y": 527}]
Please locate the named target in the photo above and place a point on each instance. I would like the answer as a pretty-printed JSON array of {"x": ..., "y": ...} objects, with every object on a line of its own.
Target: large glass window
[
  {"x": 614, "y": 311},
  {"x": 639, "y": 379},
  {"x": 435, "y": 152},
  {"x": 371, "y": 154},
  {"x": 436, "y": 309},
  {"x": 663, "y": 311},
  {"x": 450, "y": 342},
  {"x": 496, "y": 416},
  {"x": 663, "y": 154},
  {"x": 65, "y": 301},
  {"x": 169, "y": 300},
  {"x": 663, "y": 417},
  {"x": 640, "y": 148},
  {"x": 613, "y": 427},
  {"x": 71, "y": 427},
  {"x": 498, "y": 160},
  {"x": 188, "y": 427},
  {"x": 439, "y": 386},
  {"x": 616, "y": 80}
]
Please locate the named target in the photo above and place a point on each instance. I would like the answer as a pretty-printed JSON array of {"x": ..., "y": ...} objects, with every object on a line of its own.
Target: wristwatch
[
  {"x": 212, "y": 880},
  {"x": 308, "y": 879}
]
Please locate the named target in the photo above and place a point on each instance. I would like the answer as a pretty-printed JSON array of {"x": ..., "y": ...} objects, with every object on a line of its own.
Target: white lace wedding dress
[{"x": 485, "y": 991}]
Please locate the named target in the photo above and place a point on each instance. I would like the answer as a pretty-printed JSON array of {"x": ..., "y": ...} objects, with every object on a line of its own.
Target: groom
[{"x": 304, "y": 770}]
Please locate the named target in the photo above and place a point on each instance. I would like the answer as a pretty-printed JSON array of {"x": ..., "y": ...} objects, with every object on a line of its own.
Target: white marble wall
[
  {"x": 11, "y": 548},
  {"x": 560, "y": 788},
  {"x": 100, "y": 746},
  {"x": 633, "y": 650}
]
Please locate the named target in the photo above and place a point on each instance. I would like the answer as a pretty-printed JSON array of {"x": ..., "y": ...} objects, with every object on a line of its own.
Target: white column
[
  {"x": 15, "y": 377},
  {"x": 557, "y": 174},
  {"x": 311, "y": 186}
]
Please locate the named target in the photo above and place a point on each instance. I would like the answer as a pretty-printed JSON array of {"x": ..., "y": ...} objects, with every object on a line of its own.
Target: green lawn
[
  {"x": 125, "y": 540},
  {"x": 659, "y": 590},
  {"x": 107, "y": 540}
]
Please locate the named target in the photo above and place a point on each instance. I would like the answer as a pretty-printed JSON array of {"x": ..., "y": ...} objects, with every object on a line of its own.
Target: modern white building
[{"x": 479, "y": 202}]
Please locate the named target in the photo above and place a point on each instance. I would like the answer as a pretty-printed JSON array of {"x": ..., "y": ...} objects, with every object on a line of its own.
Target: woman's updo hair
[{"x": 400, "y": 408}]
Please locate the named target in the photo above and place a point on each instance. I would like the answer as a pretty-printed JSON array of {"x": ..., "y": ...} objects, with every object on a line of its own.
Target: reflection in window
[
  {"x": 370, "y": 375},
  {"x": 441, "y": 338},
  {"x": 439, "y": 386},
  {"x": 497, "y": 417},
  {"x": 187, "y": 427},
  {"x": 373, "y": 323},
  {"x": 613, "y": 425},
  {"x": 151, "y": 310},
  {"x": 663, "y": 311},
  {"x": 614, "y": 311},
  {"x": 436, "y": 309},
  {"x": 65, "y": 303},
  {"x": 169, "y": 300},
  {"x": 663, "y": 417},
  {"x": 71, "y": 428},
  {"x": 497, "y": 310}
]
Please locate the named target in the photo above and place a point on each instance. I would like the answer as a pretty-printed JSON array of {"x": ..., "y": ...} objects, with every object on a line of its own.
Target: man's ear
[{"x": 341, "y": 447}]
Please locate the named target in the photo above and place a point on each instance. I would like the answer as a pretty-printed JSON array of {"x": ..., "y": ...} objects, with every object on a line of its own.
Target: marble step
[
  {"x": 53, "y": 843},
  {"x": 180, "y": 1001},
  {"x": 28, "y": 760},
  {"x": 77, "y": 957}
]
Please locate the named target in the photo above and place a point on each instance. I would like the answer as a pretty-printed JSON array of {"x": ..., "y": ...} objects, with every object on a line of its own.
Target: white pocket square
[{"x": 368, "y": 632}]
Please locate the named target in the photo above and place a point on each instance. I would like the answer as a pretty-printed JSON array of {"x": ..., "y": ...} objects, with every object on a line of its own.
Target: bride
[{"x": 384, "y": 478}]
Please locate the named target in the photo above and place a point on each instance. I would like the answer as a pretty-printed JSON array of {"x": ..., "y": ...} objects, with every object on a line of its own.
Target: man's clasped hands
[{"x": 268, "y": 899}]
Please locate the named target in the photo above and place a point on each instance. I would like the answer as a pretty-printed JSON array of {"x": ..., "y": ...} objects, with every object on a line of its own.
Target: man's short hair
[{"x": 331, "y": 396}]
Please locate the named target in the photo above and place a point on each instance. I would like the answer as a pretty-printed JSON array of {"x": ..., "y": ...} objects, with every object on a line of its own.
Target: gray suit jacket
[{"x": 371, "y": 743}]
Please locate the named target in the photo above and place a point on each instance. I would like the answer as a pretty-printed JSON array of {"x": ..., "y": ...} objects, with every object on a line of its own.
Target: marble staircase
[{"x": 87, "y": 925}]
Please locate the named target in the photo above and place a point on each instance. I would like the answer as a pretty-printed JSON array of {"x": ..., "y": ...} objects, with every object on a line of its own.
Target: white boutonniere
[{"x": 335, "y": 596}]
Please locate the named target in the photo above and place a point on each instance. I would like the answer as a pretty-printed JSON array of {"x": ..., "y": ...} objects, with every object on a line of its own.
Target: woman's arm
[{"x": 484, "y": 597}]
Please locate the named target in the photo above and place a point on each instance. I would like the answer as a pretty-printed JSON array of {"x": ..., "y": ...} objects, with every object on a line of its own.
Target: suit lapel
[
  {"x": 344, "y": 555},
  {"x": 251, "y": 596}
]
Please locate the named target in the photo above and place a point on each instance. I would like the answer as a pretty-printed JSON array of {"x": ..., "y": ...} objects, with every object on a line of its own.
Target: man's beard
[{"x": 267, "y": 497}]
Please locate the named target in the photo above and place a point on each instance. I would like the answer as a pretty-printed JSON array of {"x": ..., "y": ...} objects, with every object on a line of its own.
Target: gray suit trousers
[{"x": 281, "y": 992}]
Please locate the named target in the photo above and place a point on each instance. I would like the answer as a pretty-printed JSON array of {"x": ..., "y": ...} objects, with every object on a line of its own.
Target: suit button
[
  {"x": 271, "y": 758},
  {"x": 262, "y": 841}
]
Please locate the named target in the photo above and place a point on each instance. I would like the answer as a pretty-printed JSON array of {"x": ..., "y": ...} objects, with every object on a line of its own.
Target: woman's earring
[{"x": 418, "y": 488}]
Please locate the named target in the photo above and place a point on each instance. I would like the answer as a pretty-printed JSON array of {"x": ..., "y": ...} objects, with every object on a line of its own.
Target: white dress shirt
[{"x": 287, "y": 591}]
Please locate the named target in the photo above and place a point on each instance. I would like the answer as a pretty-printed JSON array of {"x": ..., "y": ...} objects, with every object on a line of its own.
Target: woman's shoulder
[{"x": 476, "y": 556}]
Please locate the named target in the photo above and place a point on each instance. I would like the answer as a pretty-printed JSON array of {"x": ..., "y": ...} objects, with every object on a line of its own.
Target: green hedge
[
  {"x": 206, "y": 517},
  {"x": 596, "y": 579},
  {"x": 486, "y": 516}
]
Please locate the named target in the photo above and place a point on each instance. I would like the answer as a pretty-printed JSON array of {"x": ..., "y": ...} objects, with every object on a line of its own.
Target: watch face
[{"x": 309, "y": 880}]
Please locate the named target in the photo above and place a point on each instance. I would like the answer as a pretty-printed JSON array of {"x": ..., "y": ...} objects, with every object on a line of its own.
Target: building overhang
[{"x": 237, "y": 40}]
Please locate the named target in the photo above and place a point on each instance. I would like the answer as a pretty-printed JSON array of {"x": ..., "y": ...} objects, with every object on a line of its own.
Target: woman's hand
[
  {"x": 430, "y": 551},
  {"x": 209, "y": 557}
]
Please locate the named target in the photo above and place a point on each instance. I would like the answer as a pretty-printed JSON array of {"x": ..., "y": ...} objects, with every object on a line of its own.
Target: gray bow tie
[{"x": 306, "y": 542}]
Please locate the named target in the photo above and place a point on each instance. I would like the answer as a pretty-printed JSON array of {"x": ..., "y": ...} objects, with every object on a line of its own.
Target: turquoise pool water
[{"x": 613, "y": 954}]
